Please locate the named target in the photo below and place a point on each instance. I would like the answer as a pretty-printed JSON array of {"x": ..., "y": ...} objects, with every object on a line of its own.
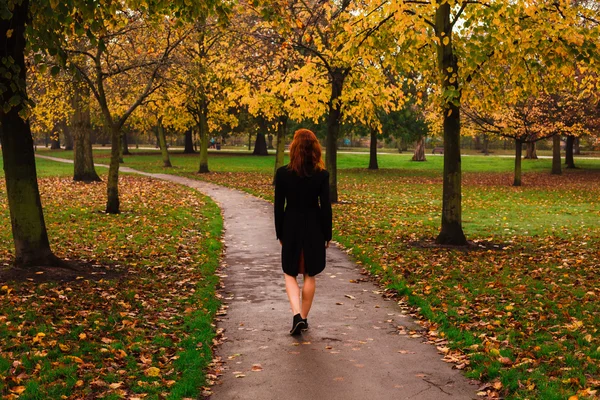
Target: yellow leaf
[
  {"x": 573, "y": 398},
  {"x": 446, "y": 40},
  {"x": 18, "y": 389},
  {"x": 9, "y": 33},
  {"x": 82, "y": 336},
  {"x": 64, "y": 347},
  {"x": 153, "y": 371}
]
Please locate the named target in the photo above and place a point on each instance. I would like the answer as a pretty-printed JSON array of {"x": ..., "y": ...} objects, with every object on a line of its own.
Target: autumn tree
[
  {"x": 455, "y": 43},
  {"x": 122, "y": 66}
]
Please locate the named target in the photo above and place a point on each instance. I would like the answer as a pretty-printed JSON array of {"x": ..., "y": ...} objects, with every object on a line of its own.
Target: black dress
[{"x": 304, "y": 224}]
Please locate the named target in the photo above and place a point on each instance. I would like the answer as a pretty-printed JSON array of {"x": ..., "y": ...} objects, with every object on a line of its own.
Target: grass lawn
[
  {"x": 519, "y": 309},
  {"x": 138, "y": 322}
]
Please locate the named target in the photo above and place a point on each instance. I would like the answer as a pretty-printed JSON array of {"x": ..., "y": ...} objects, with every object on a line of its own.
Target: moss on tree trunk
[
  {"x": 451, "y": 231},
  {"x": 30, "y": 237}
]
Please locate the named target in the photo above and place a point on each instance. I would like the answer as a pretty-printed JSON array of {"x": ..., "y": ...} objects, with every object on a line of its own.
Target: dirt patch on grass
[{"x": 68, "y": 272}]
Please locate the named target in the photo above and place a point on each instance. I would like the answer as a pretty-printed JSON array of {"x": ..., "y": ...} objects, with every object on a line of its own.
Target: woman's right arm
[{"x": 279, "y": 203}]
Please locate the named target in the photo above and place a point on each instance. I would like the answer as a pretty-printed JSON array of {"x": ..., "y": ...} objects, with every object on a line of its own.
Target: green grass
[
  {"x": 112, "y": 331},
  {"x": 522, "y": 309}
]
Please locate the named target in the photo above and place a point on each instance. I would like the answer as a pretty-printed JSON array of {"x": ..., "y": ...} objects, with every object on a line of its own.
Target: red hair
[{"x": 305, "y": 153}]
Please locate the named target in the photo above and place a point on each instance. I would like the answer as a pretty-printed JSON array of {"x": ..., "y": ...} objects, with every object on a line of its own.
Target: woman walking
[{"x": 302, "y": 222}]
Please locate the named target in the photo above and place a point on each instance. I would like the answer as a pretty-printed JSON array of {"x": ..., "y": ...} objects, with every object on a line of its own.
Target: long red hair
[{"x": 305, "y": 153}]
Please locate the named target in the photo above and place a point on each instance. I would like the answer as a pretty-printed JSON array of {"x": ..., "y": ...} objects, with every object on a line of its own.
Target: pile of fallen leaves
[
  {"x": 519, "y": 307},
  {"x": 135, "y": 320}
]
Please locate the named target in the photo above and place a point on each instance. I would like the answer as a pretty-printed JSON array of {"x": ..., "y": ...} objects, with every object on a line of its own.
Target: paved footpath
[{"x": 357, "y": 346}]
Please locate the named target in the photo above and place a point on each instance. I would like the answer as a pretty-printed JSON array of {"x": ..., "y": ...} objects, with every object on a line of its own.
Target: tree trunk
[
  {"x": 399, "y": 145},
  {"x": 203, "y": 138},
  {"x": 162, "y": 141},
  {"x": 280, "y": 145},
  {"x": 486, "y": 145},
  {"x": 249, "y": 141},
  {"x": 112, "y": 191},
  {"x": 419, "y": 154},
  {"x": 55, "y": 139},
  {"x": 518, "y": 155},
  {"x": 334, "y": 118},
  {"x": 576, "y": 147},
  {"x": 373, "y": 150},
  {"x": 530, "y": 153},
  {"x": 477, "y": 142},
  {"x": 125, "y": 143},
  {"x": 260, "y": 145},
  {"x": 451, "y": 231},
  {"x": 189, "y": 142},
  {"x": 83, "y": 156},
  {"x": 569, "y": 159},
  {"x": 556, "y": 165},
  {"x": 270, "y": 142},
  {"x": 26, "y": 215},
  {"x": 68, "y": 136}
]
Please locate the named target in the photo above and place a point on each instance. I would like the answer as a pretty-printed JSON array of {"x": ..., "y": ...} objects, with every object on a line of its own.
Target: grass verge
[{"x": 138, "y": 321}]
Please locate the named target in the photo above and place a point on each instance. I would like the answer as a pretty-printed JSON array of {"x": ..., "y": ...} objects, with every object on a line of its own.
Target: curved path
[{"x": 357, "y": 347}]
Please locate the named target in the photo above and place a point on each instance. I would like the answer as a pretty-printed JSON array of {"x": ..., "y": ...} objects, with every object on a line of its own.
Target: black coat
[{"x": 302, "y": 219}]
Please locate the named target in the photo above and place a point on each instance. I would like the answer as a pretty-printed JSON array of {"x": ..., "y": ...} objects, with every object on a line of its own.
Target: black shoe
[
  {"x": 297, "y": 325},
  {"x": 305, "y": 324}
]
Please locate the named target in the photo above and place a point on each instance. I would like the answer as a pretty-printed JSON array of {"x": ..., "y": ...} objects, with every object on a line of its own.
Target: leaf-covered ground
[
  {"x": 519, "y": 309},
  {"x": 138, "y": 323}
]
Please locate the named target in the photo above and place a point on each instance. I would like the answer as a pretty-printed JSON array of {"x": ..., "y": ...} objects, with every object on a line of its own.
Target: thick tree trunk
[
  {"x": 334, "y": 118},
  {"x": 530, "y": 153},
  {"x": 451, "y": 231},
  {"x": 569, "y": 159},
  {"x": 26, "y": 215},
  {"x": 556, "y": 164},
  {"x": 518, "y": 156},
  {"x": 203, "y": 139},
  {"x": 373, "y": 150},
  {"x": 260, "y": 145},
  {"x": 112, "y": 190},
  {"x": 399, "y": 145},
  {"x": 280, "y": 145},
  {"x": 419, "y": 154},
  {"x": 84, "y": 169},
  {"x": 249, "y": 141},
  {"x": 477, "y": 142},
  {"x": 68, "y": 136},
  {"x": 189, "y": 142},
  {"x": 162, "y": 141}
]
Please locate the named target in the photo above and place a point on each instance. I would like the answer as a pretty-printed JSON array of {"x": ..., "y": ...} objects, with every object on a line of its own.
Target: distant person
[{"x": 302, "y": 222}]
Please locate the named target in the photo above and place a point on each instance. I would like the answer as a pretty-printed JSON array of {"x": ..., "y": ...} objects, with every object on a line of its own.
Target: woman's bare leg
[
  {"x": 308, "y": 294},
  {"x": 293, "y": 291}
]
